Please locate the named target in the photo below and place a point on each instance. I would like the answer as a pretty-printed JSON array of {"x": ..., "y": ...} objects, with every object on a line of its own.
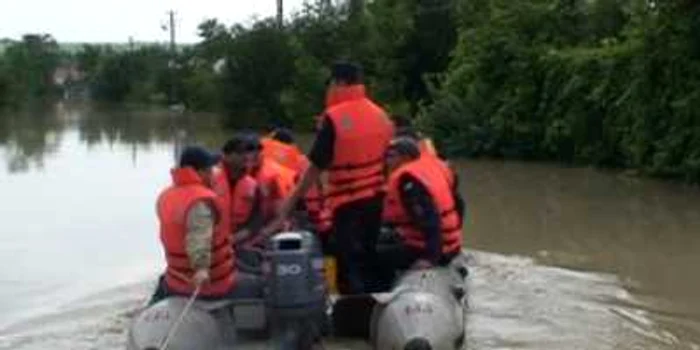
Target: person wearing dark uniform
[
  {"x": 353, "y": 136},
  {"x": 427, "y": 149},
  {"x": 312, "y": 212},
  {"x": 421, "y": 226}
]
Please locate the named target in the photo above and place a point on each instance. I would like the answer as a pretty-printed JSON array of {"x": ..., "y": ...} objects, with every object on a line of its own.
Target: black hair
[
  {"x": 408, "y": 132},
  {"x": 242, "y": 141},
  {"x": 347, "y": 72},
  {"x": 401, "y": 121},
  {"x": 283, "y": 135},
  {"x": 405, "y": 146}
]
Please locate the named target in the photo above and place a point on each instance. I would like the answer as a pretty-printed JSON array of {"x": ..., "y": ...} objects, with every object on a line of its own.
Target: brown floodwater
[{"x": 562, "y": 258}]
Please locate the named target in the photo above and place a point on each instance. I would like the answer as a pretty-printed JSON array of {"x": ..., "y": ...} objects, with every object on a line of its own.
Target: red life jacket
[
  {"x": 316, "y": 204},
  {"x": 362, "y": 135},
  {"x": 223, "y": 195},
  {"x": 173, "y": 205},
  {"x": 424, "y": 170},
  {"x": 242, "y": 199}
]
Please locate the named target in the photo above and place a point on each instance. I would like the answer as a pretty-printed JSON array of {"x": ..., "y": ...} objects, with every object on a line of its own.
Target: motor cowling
[
  {"x": 295, "y": 276},
  {"x": 296, "y": 293}
]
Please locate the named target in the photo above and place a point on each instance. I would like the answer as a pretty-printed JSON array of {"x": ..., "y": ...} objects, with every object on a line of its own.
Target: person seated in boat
[
  {"x": 425, "y": 144},
  {"x": 275, "y": 181},
  {"x": 279, "y": 146},
  {"x": 312, "y": 212},
  {"x": 194, "y": 235},
  {"x": 441, "y": 161},
  {"x": 421, "y": 225},
  {"x": 245, "y": 212}
]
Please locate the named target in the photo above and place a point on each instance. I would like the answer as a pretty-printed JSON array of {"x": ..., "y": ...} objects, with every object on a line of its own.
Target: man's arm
[
  {"x": 424, "y": 214},
  {"x": 320, "y": 157},
  {"x": 322, "y": 151},
  {"x": 200, "y": 230}
]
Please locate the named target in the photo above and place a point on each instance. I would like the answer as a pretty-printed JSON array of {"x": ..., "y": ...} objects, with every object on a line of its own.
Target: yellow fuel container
[{"x": 330, "y": 268}]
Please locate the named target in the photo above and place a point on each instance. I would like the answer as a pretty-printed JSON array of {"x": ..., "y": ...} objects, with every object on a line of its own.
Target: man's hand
[
  {"x": 241, "y": 236},
  {"x": 274, "y": 226},
  {"x": 200, "y": 277}
]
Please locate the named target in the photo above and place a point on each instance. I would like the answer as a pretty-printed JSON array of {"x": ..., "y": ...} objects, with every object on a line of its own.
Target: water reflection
[{"x": 29, "y": 137}]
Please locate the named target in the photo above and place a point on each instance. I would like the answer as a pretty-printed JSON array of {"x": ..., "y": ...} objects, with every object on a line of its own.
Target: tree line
[{"x": 610, "y": 83}]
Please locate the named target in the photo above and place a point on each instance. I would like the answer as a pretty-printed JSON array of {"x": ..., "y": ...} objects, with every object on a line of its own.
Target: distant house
[{"x": 67, "y": 73}]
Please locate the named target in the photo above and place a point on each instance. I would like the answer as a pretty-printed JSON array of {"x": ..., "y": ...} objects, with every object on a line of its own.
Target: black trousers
[
  {"x": 356, "y": 228},
  {"x": 394, "y": 256}
]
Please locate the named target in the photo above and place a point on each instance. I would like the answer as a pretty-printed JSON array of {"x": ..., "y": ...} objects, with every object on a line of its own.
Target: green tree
[{"x": 259, "y": 66}]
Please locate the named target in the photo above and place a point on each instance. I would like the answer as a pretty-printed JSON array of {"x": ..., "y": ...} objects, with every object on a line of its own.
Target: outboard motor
[{"x": 296, "y": 294}]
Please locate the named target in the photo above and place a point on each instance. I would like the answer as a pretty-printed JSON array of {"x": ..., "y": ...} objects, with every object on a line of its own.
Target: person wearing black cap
[
  {"x": 193, "y": 232},
  {"x": 349, "y": 147},
  {"x": 420, "y": 224}
]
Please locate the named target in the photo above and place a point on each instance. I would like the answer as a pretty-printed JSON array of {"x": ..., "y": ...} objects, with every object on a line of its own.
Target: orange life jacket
[
  {"x": 173, "y": 206},
  {"x": 362, "y": 135},
  {"x": 276, "y": 183},
  {"x": 430, "y": 176},
  {"x": 287, "y": 155}
]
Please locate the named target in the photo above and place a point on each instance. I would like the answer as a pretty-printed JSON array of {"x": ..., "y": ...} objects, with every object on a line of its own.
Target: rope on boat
[{"x": 172, "y": 330}]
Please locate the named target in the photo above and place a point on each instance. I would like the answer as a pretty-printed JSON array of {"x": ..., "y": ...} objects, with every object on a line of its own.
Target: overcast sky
[{"x": 116, "y": 20}]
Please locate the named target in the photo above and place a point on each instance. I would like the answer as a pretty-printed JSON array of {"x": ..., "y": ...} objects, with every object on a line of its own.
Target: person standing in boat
[
  {"x": 349, "y": 146},
  {"x": 193, "y": 231},
  {"x": 421, "y": 225}
]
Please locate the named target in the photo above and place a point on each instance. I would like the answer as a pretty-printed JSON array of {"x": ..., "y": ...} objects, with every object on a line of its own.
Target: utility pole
[
  {"x": 180, "y": 134},
  {"x": 280, "y": 13},
  {"x": 171, "y": 63},
  {"x": 171, "y": 13}
]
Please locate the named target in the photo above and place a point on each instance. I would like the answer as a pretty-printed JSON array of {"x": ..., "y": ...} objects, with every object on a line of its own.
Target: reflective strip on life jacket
[{"x": 317, "y": 209}]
